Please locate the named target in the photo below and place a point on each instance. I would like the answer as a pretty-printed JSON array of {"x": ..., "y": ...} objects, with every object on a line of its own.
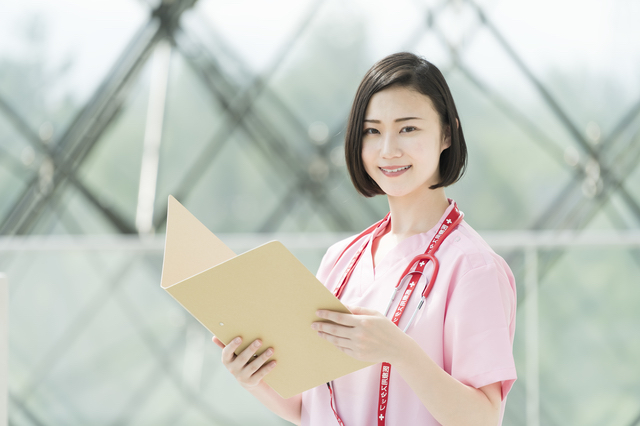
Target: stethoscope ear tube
[
  {"x": 415, "y": 312},
  {"x": 393, "y": 296}
]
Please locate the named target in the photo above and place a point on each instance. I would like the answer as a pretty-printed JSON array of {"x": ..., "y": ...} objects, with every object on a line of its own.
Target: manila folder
[{"x": 265, "y": 293}]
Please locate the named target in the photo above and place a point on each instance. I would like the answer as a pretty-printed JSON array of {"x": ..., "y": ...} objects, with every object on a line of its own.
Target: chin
[
  {"x": 397, "y": 193},
  {"x": 407, "y": 192}
]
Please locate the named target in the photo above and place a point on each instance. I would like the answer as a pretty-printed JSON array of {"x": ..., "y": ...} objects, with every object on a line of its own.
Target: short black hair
[{"x": 405, "y": 70}]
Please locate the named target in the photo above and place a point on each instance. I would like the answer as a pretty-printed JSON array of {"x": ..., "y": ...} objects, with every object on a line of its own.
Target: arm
[
  {"x": 250, "y": 375},
  {"x": 369, "y": 336},
  {"x": 448, "y": 400}
]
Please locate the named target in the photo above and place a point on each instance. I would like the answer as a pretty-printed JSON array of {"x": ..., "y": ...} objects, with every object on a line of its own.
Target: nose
[{"x": 390, "y": 147}]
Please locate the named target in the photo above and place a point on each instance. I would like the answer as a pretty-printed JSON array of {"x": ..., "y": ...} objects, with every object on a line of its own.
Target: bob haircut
[{"x": 416, "y": 73}]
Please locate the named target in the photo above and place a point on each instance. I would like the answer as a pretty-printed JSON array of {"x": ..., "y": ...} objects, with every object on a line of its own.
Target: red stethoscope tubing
[
  {"x": 427, "y": 287},
  {"x": 434, "y": 274}
]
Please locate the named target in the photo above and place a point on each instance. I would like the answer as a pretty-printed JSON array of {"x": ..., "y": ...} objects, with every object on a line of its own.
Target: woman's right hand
[{"x": 247, "y": 370}]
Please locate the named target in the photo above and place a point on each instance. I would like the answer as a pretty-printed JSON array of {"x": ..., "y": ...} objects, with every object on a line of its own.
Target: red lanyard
[{"x": 451, "y": 221}]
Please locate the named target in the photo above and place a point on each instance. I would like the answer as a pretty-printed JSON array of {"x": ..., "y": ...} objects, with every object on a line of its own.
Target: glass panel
[
  {"x": 510, "y": 181},
  {"x": 63, "y": 68},
  {"x": 593, "y": 72},
  {"x": 10, "y": 190},
  {"x": 593, "y": 294},
  {"x": 238, "y": 190},
  {"x": 90, "y": 326},
  {"x": 112, "y": 170}
]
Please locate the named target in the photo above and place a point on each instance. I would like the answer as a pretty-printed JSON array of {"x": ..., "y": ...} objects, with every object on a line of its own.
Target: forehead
[{"x": 396, "y": 102}]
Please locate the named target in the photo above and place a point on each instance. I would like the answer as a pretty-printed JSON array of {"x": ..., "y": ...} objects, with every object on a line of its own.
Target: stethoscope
[
  {"x": 452, "y": 220},
  {"x": 428, "y": 286}
]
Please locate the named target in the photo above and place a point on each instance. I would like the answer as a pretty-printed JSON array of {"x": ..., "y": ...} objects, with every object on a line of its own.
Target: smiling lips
[{"x": 396, "y": 171}]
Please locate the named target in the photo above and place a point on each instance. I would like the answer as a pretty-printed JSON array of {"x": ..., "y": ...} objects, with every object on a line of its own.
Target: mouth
[{"x": 394, "y": 170}]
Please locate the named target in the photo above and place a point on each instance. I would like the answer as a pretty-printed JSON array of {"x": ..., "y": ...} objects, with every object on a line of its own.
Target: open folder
[{"x": 264, "y": 293}]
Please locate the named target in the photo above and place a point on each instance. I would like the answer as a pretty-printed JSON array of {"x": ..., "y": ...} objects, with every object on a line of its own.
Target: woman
[{"x": 454, "y": 364}]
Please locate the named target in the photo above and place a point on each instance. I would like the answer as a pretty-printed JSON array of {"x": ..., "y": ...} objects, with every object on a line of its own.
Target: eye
[
  {"x": 408, "y": 129},
  {"x": 370, "y": 131}
]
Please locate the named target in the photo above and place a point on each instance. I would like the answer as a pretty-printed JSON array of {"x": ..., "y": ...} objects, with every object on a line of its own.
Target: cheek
[{"x": 368, "y": 156}]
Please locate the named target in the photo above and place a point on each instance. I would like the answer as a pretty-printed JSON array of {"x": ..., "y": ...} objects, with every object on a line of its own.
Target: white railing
[
  {"x": 530, "y": 243},
  {"x": 239, "y": 242}
]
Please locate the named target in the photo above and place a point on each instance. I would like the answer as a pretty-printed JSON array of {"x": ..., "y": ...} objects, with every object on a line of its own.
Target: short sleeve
[
  {"x": 479, "y": 328},
  {"x": 330, "y": 258}
]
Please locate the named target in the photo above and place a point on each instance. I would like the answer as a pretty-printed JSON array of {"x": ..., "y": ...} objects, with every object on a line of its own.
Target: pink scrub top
[{"x": 466, "y": 325}]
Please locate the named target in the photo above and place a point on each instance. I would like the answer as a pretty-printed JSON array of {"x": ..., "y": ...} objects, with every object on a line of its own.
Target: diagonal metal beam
[
  {"x": 538, "y": 136},
  {"x": 21, "y": 125},
  {"x": 511, "y": 111},
  {"x": 608, "y": 175},
  {"x": 546, "y": 143},
  {"x": 243, "y": 115},
  {"x": 610, "y": 180},
  {"x": 71, "y": 334},
  {"x": 18, "y": 403},
  {"x": 579, "y": 217},
  {"x": 286, "y": 112},
  {"x": 266, "y": 139},
  {"x": 555, "y": 107},
  {"x": 82, "y": 134},
  {"x": 572, "y": 189},
  {"x": 165, "y": 365},
  {"x": 635, "y": 421},
  {"x": 216, "y": 75},
  {"x": 546, "y": 95},
  {"x": 72, "y": 226},
  {"x": 571, "y": 192}
]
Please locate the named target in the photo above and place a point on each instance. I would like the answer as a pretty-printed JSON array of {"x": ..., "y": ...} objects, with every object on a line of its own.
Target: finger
[
  {"x": 228, "y": 354},
  {"x": 263, "y": 371},
  {"x": 254, "y": 365},
  {"x": 218, "y": 342},
  {"x": 243, "y": 358},
  {"x": 340, "y": 342},
  {"x": 333, "y": 329},
  {"x": 337, "y": 317}
]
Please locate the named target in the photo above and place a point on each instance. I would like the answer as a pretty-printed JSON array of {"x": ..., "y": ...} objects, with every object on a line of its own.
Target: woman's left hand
[{"x": 365, "y": 334}]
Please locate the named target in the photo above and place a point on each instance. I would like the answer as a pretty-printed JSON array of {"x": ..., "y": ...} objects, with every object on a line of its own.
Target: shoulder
[
  {"x": 332, "y": 255},
  {"x": 470, "y": 251},
  {"x": 480, "y": 272},
  {"x": 336, "y": 249}
]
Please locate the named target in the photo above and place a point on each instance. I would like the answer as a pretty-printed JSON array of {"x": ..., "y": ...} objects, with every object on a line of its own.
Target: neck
[{"x": 416, "y": 213}]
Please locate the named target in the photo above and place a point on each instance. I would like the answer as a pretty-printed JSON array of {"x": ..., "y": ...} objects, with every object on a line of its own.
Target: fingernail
[
  {"x": 314, "y": 326},
  {"x": 257, "y": 343},
  {"x": 273, "y": 364},
  {"x": 237, "y": 340},
  {"x": 269, "y": 352}
]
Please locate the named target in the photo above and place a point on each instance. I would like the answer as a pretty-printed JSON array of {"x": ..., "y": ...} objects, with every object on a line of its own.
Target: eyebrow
[{"x": 397, "y": 120}]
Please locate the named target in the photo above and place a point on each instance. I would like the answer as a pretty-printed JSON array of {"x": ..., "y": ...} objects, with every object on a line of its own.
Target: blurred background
[{"x": 238, "y": 109}]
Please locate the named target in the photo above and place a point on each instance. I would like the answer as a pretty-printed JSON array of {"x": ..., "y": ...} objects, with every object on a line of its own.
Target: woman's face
[{"x": 402, "y": 141}]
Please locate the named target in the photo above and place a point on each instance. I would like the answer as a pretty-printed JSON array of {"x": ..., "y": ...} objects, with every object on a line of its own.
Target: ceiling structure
[{"x": 600, "y": 173}]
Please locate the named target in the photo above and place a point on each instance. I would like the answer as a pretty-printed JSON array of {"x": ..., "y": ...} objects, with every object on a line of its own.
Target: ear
[{"x": 446, "y": 140}]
